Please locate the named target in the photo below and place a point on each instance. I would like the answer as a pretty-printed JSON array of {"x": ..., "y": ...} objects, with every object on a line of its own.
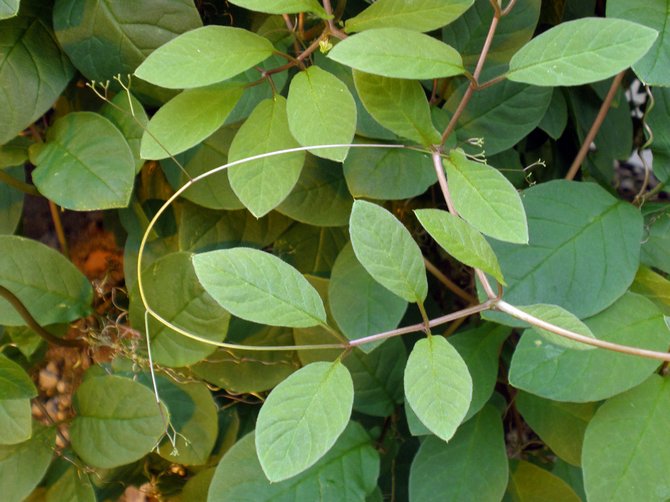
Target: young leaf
[
  {"x": 387, "y": 251},
  {"x": 263, "y": 184},
  {"x": 259, "y": 287},
  {"x": 321, "y": 110},
  {"x": 282, "y": 6},
  {"x": 85, "y": 164},
  {"x": 581, "y": 51},
  {"x": 563, "y": 319},
  {"x": 485, "y": 199},
  {"x": 204, "y": 56},
  {"x": 116, "y": 430},
  {"x": 14, "y": 381},
  {"x": 438, "y": 386},
  {"x": 399, "y": 105},
  {"x": 460, "y": 240},
  {"x": 302, "y": 418},
  {"x": 421, "y": 15},
  {"x": 624, "y": 456},
  {"x": 15, "y": 421},
  {"x": 198, "y": 113},
  {"x": 529, "y": 482},
  {"x": 398, "y": 53}
]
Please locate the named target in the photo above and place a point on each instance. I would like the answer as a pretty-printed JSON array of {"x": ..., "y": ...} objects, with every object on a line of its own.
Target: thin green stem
[
  {"x": 22, "y": 186},
  {"x": 424, "y": 316}
]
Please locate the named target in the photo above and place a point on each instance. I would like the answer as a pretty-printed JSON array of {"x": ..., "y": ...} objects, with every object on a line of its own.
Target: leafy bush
[{"x": 308, "y": 194}]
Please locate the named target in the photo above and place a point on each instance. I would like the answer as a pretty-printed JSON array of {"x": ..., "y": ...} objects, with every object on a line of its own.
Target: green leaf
[
  {"x": 321, "y": 111},
  {"x": 54, "y": 291},
  {"x": 421, "y": 15},
  {"x": 11, "y": 202},
  {"x": 460, "y": 240},
  {"x": 530, "y": 483},
  {"x": 302, "y": 418},
  {"x": 558, "y": 374},
  {"x": 652, "y": 69},
  {"x": 128, "y": 115},
  {"x": 86, "y": 163},
  {"x": 438, "y": 386},
  {"x": 198, "y": 113},
  {"x": 204, "y": 56},
  {"x": 563, "y": 319},
  {"x": 259, "y": 287},
  {"x": 654, "y": 287},
  {"x": 33, "y": 70},
  {"x": 660, "y": 147},
  {"x": 312, "y": 250},
  {"x": 624, "y": 455},
  {"x": 581, "y": 51},
  {"x": 34, "y": 457},
  {"x": 15, "y": 152},
  {"x": 15, "y": 420},
  {"x": 73, "y": 485},
  {"x": 485, "y": 199},
  {"x": 655, "y": 250},
  {"x": 173, "y": 291},
  {"x": 399, "y": 105},
  {"x": 119, "y": 429},
  {"x": 387, "y": 251},
  {"x": 263, "y": 184},
  {"x": 356, "y": 314},
  {"x": 471, "y": 466},
  {"x": 556, "y": 117},
  {"x": 348, "y": 471},
  {"x": 398, "y": 53},
  {"x": 560, "y": 425},
  {"x": 583, "y": 251},
  {"x": 282, "y": 6},
  {"x": 9, "y": 8},
  {"x": 14, "y": 381}
]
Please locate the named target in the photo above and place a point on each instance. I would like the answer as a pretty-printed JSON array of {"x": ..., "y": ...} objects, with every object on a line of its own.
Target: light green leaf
[
  {"x": 204, "y": 56},
  {"x": 33, "y": 70},
  {"x": 387, "y": 251},
  {"x": 85, "y": 164},
  {"x": 23, "y": 465},
  {"x": 173, "y": 291},
  {"x": 624, "y": 454},
  {"x": 358, "y": 315},
  {"x": 348, "y": 471},
  {"x": 398, "y": 53},
  {"x": 654, "y": 287},
  {"x": 9, "y": 8},
  {"x": 119, "y": 429},
  {"x": 421, "y": 15},
  {"x": 472, "y": 466},
  {"x": 302, "y": 418},
  {"x": 563, "y": 319},
  {"x": 581, "y": 51},
  {"x": 15, "y": 420},
  {"x": 282, "y": 6},
  {"x": 460, "y": 240},
  {"x": 54, "y": 291},
  {"x": 485, "y": 199},
  {"x": 11, "y": 202},
  {"x": 259, "y": 287},
  {"x": 438, "y": 386},
  {"x": 560, "y": 425},
  {"x": 263, "y": 184},
  {"x": 321, "y": 111},
  {"x": 14, "y": 381},
  {"x": 530, "y": 483},
  {"x": 73, "y": 485},
  {"x": 128, "y": 115},
  {"x": 187, "y": 119},
  {"x": 558, "y": 374}
]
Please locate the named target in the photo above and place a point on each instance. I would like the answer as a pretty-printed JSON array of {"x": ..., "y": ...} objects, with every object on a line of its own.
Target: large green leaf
[
  {"x": 204, "y": 56},
  {"x": 33, "y": 70},
  {"x": 356, "y": 314},
  {"x": 387, "y": 251},
  {"x": 118, "y": 421},
  {"x": 14, "y": 381},
  {"x": 460, "y": 240},
  {"x": 624, "y": 455},
  {"x": 48, "y": 284},
  {"x": 583, "y": 251},
  {"x": 282, "y": 6},
  {"x": 472, "y": 466},
  {"x": 187, "y": 119},
  {"x": 555, "y": 373},
  {"x": 173, "y": 291},
  {"x": 259, "y": 287},
  {"x": 653, "y": 68},
  {"x": 302, "y": 418},
  {"x": 421, "y": 15},
  {"x": 321, "y": 111},
  {"x": 581, "y": 51},
  {"x": 263, "y": 184},
  {"x": 398, "y": 53},
  {"x": 438, "y": 386},
  {"x": 85, "y": 164},
  {"x": 11, "y": 202},
  {"x": 15, "y": 420},
  {"x": 348, "y": 472},
  {"x": 128, "y": 115},
  {"x": 486, "y": 199},
  {"x": 312, "y": 250},
  {"x": 399, "y": 105},
  {"x": 563, "y": 319},
  {"x": 23, "y": 465},
  {"x": 9, "y": 8},
  {"x": 530, "y": 483},
  {"x": 73, "y": 485}
]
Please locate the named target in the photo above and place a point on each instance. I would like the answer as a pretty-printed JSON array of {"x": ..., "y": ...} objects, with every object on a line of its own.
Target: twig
[
  {"x": 18, "y": 184},
  {"x": 334, "y": 30},
  {"x": 58, "y": 227},
  {"x": 448, "y": 283}
]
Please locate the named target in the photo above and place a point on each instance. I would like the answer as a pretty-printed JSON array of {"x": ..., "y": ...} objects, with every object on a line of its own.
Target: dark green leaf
[
  {"x": 14, "y": 381},
  {"x": 73, "y": 485},
  {"x": 312, "y": 250},
  {"x": 656, "y": 245},
  {"x": 660, "y": 147},
  {"x": 282, "y": 6},
  {"x": 530, "y": 483},
  {"x": 11, "y": 202},
  {"x": 556, "y": 117}
]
